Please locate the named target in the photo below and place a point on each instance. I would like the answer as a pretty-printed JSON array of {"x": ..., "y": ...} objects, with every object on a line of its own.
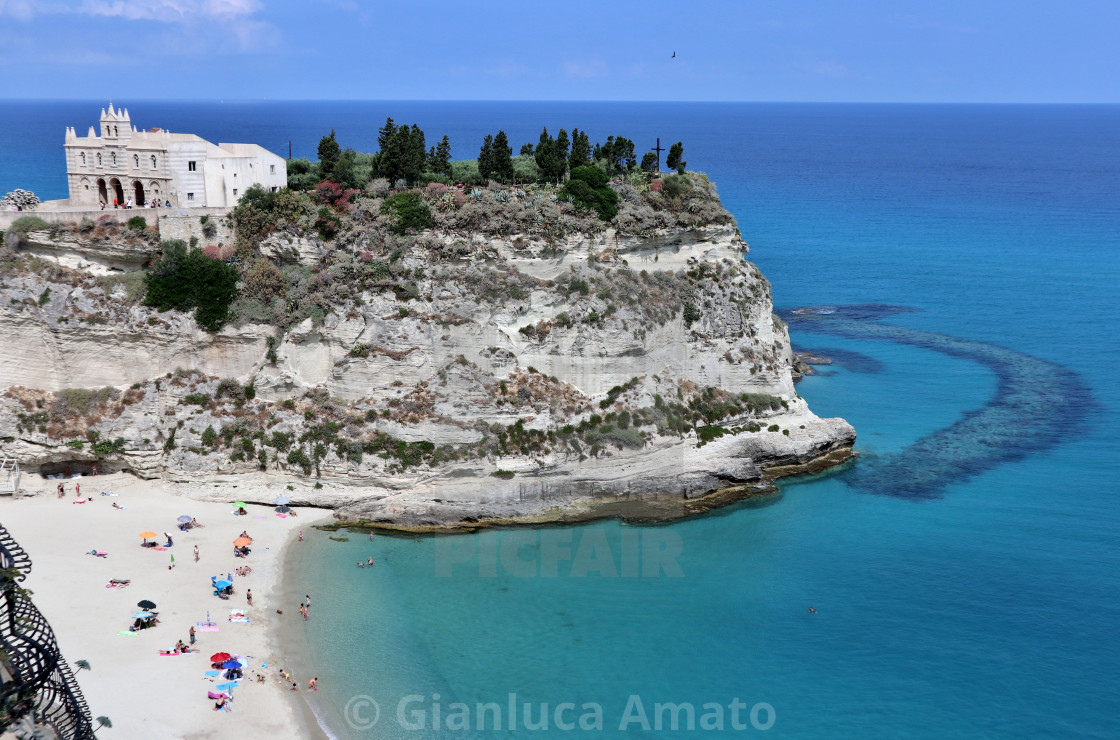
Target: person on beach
[
  {"x": 191, "y": 633},
  {"x": 196, "y": 553},
  {"x": 300, "y": 532},
  {"x": 77, "y": 489},
  {"x": 371, "y": 536},
  {"x": 222, "y": 703},
  {"x": 313, "y": 684},
  {"x": 61, "y": 491},
  {"x": 249, "y": 596}
]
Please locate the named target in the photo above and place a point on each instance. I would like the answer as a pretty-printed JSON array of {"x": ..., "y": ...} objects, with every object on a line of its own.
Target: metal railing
[{"x": 37, "y": 680}]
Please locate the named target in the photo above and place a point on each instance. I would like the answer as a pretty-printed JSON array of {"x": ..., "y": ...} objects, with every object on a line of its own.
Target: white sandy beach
[{"x": 143, "y": 693}]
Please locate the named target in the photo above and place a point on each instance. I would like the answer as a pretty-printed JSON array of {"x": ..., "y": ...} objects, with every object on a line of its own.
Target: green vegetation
[
  {"x": 588, "y": 188},
  {"x": 183, "y": 280},
  {"x": 408, "y": 211},
  {"x": 24, "y": 224},
  {"x": 137, "y": 223},
  {"x": 503, "y": 474}
]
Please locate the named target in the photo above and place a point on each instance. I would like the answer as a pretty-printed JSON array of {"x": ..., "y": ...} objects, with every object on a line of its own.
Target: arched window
[
  {"x": 99, "y": 159},
  {"x": 153, "y": 161},
  {"x": 136, "y": 161}
]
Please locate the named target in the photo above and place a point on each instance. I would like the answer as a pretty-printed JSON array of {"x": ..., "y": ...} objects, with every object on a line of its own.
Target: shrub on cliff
[
  {"x": 588, "y": 188},
  {"x": 25, "y": 224},
  {"x": 184, "y": 279},
  {"x": 407, "y": 211}
]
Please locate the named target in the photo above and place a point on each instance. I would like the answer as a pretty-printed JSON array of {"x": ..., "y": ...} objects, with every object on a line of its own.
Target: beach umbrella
[
  {"x": 282, "y": 500},
  {"x": 145, "y": 604},
  {"x": 242, "y": 541},
  {"x": 223, "y": 583},
  {"x": 184, "y": 519},
  {"x": 146, "y": 535},
  {"x": 239, "y": 504},
  {"x": 220, "y": 657},
  {"x": 231, "y": 664}
]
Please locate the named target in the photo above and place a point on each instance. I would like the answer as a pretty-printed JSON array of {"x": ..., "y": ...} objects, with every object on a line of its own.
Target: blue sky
[{"x": 750, "y": 50}]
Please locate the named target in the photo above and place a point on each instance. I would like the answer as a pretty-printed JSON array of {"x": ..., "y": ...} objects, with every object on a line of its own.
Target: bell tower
[{"x": 115, "y": 124}]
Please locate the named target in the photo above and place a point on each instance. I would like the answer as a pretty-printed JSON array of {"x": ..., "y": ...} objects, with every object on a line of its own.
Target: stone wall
[
  {"x": 174, "y": 223},
  {"x": 184, "y": 223}
]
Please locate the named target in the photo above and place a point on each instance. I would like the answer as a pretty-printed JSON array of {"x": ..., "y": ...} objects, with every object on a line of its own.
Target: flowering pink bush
[
  {"x": 655, "y": 186},
  {"x": 212, "y": 251},
  {"x": 460, "y": 197},
  {"x": 365, "y": 256}
]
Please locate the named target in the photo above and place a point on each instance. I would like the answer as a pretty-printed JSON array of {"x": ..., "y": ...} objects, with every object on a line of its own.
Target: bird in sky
[{"x": 674, "y": 55}]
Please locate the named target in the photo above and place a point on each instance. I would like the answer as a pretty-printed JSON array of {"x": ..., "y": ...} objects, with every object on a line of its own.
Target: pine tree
[
  {"x": 440, "y": 158},
  {"x": 526, "y": 148},
  {"x": 390, "y": 160},
  {"x": 546, "y": 155},
  {"x": 486, "y": 158},
  {"x": 674, "y": 159},
  {"x": 502, "y": 154},
  {"x": 649, "y": 161},
  {"x": 562, "y": 154},
  {"x": 581, "y": 149},
  {"x": 329, "y": 152},
  {"x": 413, "y": 148}
]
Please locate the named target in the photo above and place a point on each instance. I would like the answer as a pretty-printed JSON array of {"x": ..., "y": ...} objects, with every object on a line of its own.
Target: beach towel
[
  {"x": 78, "y": 501},
  {"x": 160, "y": 549},
  {"x": 282, "y": 516},
  {"x": 258, "y": 516},
  {"x": 126, "y": 633},
  {"x": 98, "y": 553},
  {"x": 170, "y": 652},
  {"x": 238, "y": 615},
  {"x": 106, "y": 493},
  {"x": 207, "y": 629},
  {"x": 214, "y": 696},
  {"x": 211, "y": 673}
]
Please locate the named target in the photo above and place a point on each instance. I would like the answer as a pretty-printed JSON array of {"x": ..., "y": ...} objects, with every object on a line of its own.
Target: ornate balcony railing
[{"x": 37, "y": 681}]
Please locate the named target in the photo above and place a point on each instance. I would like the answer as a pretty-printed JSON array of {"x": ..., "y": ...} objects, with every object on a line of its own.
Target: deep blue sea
[{"x": 965, "y": 573}]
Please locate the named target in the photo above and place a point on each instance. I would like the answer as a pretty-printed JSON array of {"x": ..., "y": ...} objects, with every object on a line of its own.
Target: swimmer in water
[
  {"x": 370, "y": 562},
  {"x": 812, "y": 610}
]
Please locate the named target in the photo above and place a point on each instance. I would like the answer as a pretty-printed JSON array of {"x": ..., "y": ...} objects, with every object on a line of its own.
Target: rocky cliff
[{"x": 464, "y": 379}]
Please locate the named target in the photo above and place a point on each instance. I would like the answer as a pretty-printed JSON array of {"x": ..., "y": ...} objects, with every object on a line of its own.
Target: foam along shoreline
[{"x": 146, "y": 694}]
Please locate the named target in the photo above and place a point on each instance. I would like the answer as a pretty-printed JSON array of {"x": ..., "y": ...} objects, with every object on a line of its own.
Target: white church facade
[{"x": 120, "y": 164}]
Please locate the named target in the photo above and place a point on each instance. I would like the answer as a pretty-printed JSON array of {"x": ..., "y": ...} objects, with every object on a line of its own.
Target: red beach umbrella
[{"x": 220, "y": 657}]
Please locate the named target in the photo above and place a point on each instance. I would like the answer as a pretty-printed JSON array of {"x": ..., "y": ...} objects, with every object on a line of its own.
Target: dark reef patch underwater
[{"x": 1037, "y": 405}]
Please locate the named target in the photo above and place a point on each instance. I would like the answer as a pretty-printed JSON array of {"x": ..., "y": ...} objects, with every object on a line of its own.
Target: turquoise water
[{"x": 981, "y": 603}]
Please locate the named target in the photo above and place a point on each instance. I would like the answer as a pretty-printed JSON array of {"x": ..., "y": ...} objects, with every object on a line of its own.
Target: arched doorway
[
  {"x": 118, "y": 191},
  {"x": 138, "y": 190},
  {"x": 102, "y": 192}
]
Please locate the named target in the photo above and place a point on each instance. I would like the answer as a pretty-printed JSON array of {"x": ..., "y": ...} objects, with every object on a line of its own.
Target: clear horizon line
[{"x": 559, "y": 100}]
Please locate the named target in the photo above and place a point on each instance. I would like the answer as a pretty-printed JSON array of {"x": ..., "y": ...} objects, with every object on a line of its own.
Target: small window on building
[
  {"x": 136, "y": 161},
  {"x": 235, "y": 192},
  {"x": 190, "y": 196},
  {"x": 272, "y": 169},
  {"x": 153, "y": 161},
  {"x": 274, "y": 188},
  {"x": 99, "y": 159},
  {"x": 83, "y": 159},
  {"x": 114, "y": 159},
  {"x": 191, "y": 166}
]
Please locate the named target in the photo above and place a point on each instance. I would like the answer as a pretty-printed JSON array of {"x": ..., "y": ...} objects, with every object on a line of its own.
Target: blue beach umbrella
[
  {"x": 231, "y": 664},
  {"x": 282, "y": 500},
  {"x": 223, "y": 583},
  {"x": 184, "y": 519}
]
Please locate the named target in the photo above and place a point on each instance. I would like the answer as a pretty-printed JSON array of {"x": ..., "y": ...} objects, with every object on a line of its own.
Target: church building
[{"x": 120, "y": 163}]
